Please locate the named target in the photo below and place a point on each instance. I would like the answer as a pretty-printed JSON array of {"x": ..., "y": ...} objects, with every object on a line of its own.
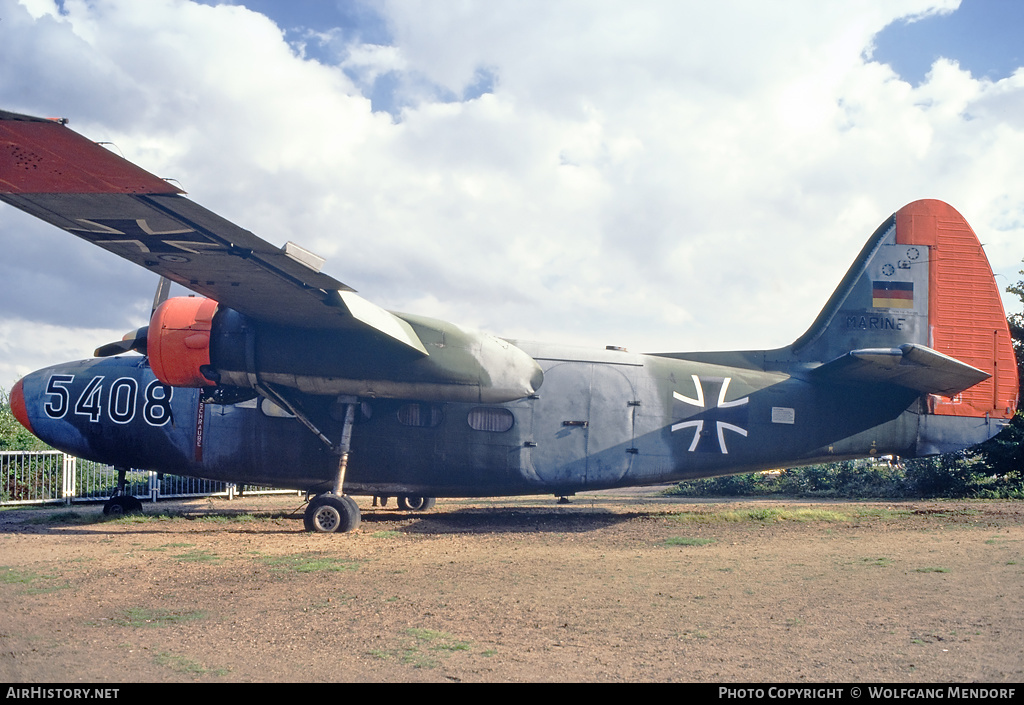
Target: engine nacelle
[
  {"x": 193, "y": 343},
  {"x": 178, "y": 341}
]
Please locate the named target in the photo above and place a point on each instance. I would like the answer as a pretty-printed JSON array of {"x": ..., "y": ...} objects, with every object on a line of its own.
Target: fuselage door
[{"x": 583, "y": 425}]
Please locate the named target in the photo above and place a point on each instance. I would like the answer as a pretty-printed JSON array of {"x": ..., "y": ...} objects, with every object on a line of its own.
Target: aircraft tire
[
  {"x": 355, "y": 509},
  {"x": 330, "y": 514},
  {"x": 122, "y": 504},
  {"x": 415, "y": 503}
]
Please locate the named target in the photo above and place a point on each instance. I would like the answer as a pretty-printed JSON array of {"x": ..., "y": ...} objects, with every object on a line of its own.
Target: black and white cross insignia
[
  {"x": 137, "y": 233},
  {"x": 725, "y": 415}
]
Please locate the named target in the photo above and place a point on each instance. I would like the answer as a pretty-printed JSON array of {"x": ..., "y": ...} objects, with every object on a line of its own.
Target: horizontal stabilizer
[{"x": 912, "y": 366}]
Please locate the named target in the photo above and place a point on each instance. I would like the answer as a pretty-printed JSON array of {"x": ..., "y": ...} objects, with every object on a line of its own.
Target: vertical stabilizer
[{"x": 922, "y": 280}]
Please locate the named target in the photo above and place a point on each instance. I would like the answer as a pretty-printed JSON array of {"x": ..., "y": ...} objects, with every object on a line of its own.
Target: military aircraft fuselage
[{"x": 601, "y": 419}]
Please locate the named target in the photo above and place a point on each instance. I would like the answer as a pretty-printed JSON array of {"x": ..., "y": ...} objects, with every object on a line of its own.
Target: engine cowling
[
  {"x": 178, "y": 343},
  {"x": 193, "y": 343}
]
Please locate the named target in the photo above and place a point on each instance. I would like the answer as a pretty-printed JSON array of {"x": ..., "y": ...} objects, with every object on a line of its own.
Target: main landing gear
[
  {"x": 330, "y": 513},
  {"x": 121, "y": 503},
  {"x": 335, "y": 512},
  {"x": 414, "y": 503},
  {"x": 406, "y": 502}
]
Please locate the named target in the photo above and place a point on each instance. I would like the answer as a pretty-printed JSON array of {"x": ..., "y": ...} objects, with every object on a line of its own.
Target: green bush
[{"x": 953, "y": 475}]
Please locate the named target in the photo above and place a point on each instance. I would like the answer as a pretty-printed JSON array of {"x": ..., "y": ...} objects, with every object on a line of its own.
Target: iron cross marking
[
  {"x": 719, "y": 415},
  {"x": 138, "y": 234}
]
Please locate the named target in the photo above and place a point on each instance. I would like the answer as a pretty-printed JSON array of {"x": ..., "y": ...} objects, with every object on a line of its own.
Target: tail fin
[{"x": 921, "y": 285}]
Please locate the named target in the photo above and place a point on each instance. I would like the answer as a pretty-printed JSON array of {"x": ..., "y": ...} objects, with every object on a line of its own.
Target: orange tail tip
[{"x": 965, "y": 313}]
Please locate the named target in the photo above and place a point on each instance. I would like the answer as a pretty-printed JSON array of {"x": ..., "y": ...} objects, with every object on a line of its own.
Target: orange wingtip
[{"x": 43, "y": 156}]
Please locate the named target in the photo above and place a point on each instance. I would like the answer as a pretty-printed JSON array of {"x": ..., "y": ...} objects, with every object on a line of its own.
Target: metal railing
[{"x": 49, "y": 476}]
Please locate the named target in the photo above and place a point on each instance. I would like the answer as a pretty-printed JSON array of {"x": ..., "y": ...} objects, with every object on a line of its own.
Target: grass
[
  {"x": 68, "y": 517},
  {"x": 439, "y": 641},
  {"x": 198, "y": 557},
  {"x": 143, "y": 617},
  {"x": 932, "y": 569},
  {"x": 241, "y": 518},
  {"x": 687, "y": 541},
  {"x": 34, "y": 583},
  {"x": 763, "y": 515},
  {"x": 311, "y": 563},
  {"x": 180, "y": 664},
  {"x": 436, "y": 643},
  {"x": 10, "y": 576}
]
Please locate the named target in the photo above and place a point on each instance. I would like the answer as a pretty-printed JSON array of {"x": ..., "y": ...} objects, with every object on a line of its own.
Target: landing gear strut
[
  {"x": 336, "y": 512},
  {"x": 121, "y": 503}
]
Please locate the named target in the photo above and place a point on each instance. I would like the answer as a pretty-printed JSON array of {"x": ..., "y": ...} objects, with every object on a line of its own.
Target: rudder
[{"x": 966, "y": 319}]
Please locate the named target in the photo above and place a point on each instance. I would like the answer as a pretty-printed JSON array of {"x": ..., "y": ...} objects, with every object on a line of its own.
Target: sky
[{"x": 659, "y": 175}]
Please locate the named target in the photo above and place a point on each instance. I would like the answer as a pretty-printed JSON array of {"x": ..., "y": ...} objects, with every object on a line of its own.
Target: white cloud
[
  {"x": 26, "y": 346},
  {"x": 661, "y": 175}
]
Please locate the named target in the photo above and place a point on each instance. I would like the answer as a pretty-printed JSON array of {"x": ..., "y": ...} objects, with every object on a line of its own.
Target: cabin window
[
  {"x": 485, "y": 418},
  {"x": 422, "y": 415}
]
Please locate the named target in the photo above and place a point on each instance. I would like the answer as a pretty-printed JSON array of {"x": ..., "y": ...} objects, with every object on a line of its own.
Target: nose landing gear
[{"x": 121, "y": 503}]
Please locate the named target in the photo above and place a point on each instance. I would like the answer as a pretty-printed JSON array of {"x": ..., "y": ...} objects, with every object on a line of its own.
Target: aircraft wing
[
  {"x": 913, "y": 366},
  {"x": 69, "y": 181}
]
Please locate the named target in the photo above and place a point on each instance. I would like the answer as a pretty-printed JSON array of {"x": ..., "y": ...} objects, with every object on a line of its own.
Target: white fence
[{"x": 38, "y": 477}]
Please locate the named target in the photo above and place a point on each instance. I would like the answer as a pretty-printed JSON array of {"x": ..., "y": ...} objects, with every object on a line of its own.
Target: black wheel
[
  {"x": 330, "y": 514},
  {"x": 415, "y": 503},
  {"x": 122, "y": 504},
  {"x": 355, "y": 508}
]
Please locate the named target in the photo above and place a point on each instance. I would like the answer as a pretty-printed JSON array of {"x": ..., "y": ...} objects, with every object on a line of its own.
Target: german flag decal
[{"x": 892, "y": 295}]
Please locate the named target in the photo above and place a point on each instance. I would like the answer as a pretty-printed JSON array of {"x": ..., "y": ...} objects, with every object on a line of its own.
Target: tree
[{"x": 1004, "y": 454}]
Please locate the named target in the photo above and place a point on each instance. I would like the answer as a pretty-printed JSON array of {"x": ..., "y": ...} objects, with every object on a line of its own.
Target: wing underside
[{"x": 69, "y": 181}]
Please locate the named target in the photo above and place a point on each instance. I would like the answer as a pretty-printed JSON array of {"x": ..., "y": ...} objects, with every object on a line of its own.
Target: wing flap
[{"x": 913, "y": 366}]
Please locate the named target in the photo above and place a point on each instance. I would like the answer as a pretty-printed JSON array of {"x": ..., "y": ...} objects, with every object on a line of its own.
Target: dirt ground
[{"x": 617, "y": 586}]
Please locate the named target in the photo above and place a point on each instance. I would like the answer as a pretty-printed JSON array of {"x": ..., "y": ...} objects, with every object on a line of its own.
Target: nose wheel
[{"x": 121, "y": 503}]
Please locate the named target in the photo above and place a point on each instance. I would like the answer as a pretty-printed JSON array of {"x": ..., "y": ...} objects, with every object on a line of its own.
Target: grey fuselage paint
[{"x": 601, "y": 419}]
